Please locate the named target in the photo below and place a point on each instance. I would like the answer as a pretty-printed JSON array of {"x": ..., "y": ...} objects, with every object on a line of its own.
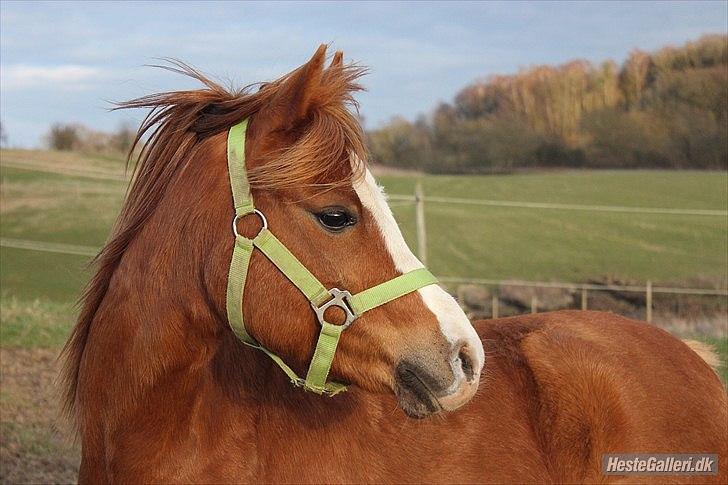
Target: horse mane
[{"x": 177, "y": 123}]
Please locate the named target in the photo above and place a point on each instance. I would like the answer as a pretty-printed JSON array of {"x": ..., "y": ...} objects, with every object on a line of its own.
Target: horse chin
[
  {"x": 414, "y": 397},
  {"x": 418, "y": 399}
]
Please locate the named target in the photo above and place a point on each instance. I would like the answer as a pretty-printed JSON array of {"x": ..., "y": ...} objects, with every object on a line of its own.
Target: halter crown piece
[{"x": 320, "y": 298}]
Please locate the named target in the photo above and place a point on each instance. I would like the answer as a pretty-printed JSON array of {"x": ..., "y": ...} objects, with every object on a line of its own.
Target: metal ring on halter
[
  {"x": 255, "y": 211},
  {"x": 341, "y": 299}
]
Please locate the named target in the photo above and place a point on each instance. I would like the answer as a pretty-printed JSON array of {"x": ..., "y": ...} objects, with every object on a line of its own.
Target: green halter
[{"x": 301, "y": 277}]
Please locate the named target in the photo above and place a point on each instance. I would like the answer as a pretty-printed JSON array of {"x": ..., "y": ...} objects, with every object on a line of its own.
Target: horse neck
[
  {"x": 160, "y": 313},
  {"x": 163, "y": 316}
]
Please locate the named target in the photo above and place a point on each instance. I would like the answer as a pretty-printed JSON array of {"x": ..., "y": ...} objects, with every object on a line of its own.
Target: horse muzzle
[{"x": 425, "y": 387}]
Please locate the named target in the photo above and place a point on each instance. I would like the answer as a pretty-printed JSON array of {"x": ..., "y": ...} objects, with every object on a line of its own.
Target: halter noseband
[{"x": 320, "y": 298}]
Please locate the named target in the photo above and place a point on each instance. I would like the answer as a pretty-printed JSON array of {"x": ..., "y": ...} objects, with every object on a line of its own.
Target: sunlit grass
[{"x": 38, "y": 323}]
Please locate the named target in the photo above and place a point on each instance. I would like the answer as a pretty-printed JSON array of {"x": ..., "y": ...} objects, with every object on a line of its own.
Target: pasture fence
[
  {"x": 419, "y": 199},
  {"x": 648, "y": 289}
]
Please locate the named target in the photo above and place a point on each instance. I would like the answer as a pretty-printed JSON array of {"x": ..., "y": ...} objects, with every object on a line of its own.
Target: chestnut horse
[{"x": 162, "y": 390}]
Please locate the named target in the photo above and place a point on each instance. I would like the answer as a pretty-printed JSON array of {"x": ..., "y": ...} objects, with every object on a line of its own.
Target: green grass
[
  {"x": 463, "y": 240},
  {"x": 40, "y": 323},
  {"x": 30, "y": 275},
  {"x": 58, "y": 208},
  {"x": 646, "y": 188},
  {"x": 503, "y": 242},
  {"x": 721, "y": 347}
]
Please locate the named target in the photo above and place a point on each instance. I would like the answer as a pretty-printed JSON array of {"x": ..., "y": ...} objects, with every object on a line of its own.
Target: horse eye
[{"x": 335, "y": 219}]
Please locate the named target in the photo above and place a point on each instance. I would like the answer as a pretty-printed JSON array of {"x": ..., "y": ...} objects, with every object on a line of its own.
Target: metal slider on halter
[{"x": 317, "y": 294}]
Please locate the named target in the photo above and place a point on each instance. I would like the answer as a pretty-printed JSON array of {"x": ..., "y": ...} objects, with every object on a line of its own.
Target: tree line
[
  {"x": 665, "y": 109},
  {"x": 79, "y": 138}
]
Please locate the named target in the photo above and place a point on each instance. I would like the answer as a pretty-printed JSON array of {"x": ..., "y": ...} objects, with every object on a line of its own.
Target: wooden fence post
[
  {"x": 583, "y": 299},
  {"x": 420, "y": 220},
  {"x": 648, "y": 302},
  {"x": 494, "y": 303}
]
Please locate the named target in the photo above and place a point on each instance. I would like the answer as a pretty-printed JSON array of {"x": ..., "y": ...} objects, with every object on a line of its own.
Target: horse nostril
[{"x": 466, "y": 362}]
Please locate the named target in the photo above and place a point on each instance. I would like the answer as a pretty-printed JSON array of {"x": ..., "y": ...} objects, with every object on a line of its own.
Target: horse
[{"x": 162, "y": 389}]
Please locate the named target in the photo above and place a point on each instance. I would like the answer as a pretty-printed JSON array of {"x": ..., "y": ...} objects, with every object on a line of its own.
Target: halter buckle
[{"x": 341, "y": 299}]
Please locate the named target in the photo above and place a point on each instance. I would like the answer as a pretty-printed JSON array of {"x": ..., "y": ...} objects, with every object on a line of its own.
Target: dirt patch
[
  {"x": 713, "y": 326},
  {"x": 545, "y": 299},
  {"x": 683, "y": 314},
  {"x": 85, "y": 164},
  {"x": 607, "y": 301},
  {"x": 36, "y": 445},
  {"x": 384, "y": 170}
]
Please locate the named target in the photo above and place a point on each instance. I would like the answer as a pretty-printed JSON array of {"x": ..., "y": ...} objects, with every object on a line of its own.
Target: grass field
[
  {"x": 504, "y": 242},
  {"x": 73, "y": 199},
  {"x": 465, "y": 241}
]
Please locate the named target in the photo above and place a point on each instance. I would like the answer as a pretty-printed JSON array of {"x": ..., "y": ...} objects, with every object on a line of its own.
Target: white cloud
[{"x": 23, "y": 76}]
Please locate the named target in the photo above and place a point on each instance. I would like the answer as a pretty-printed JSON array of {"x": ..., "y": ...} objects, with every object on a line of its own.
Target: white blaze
[{"x": 454, "y": 325}]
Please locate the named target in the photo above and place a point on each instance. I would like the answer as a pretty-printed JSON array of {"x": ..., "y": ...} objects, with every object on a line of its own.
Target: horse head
[{"x": 307, "y": 171}]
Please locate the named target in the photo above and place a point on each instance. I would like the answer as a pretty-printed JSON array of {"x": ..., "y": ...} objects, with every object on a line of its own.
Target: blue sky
[{"x": 65, "y": 61}]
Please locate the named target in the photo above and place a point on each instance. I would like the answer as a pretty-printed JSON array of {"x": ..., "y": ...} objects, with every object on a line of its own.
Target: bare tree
[
  {"x": 63, "y": 137},
  {"x": 3, "y": 135}
]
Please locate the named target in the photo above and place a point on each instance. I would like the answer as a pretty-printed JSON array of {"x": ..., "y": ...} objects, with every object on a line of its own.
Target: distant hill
[{"x": 665, "y": 109}]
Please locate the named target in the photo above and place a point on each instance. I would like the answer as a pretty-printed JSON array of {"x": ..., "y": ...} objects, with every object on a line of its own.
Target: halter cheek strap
[{"x": 320, "y": 298}]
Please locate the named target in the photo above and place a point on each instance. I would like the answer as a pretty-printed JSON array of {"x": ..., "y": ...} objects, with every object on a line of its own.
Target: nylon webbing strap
[
  {"x": 291, "y": 267},
  {"x": 242, "y": 199},
  {"x": 284, "y": 260},
  {"x": 320, "y": 365},
  {"x": 236, "y": 284},
  {"x": 301, "y": 277},
  {"x": 391, "y": 290}
]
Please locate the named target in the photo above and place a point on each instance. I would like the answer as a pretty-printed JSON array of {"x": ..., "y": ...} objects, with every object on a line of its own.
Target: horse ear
[
  {"x": 337, "y": 63},
  {"x": 296, "y": 96},
  {"x": 338, "y": 60}
]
